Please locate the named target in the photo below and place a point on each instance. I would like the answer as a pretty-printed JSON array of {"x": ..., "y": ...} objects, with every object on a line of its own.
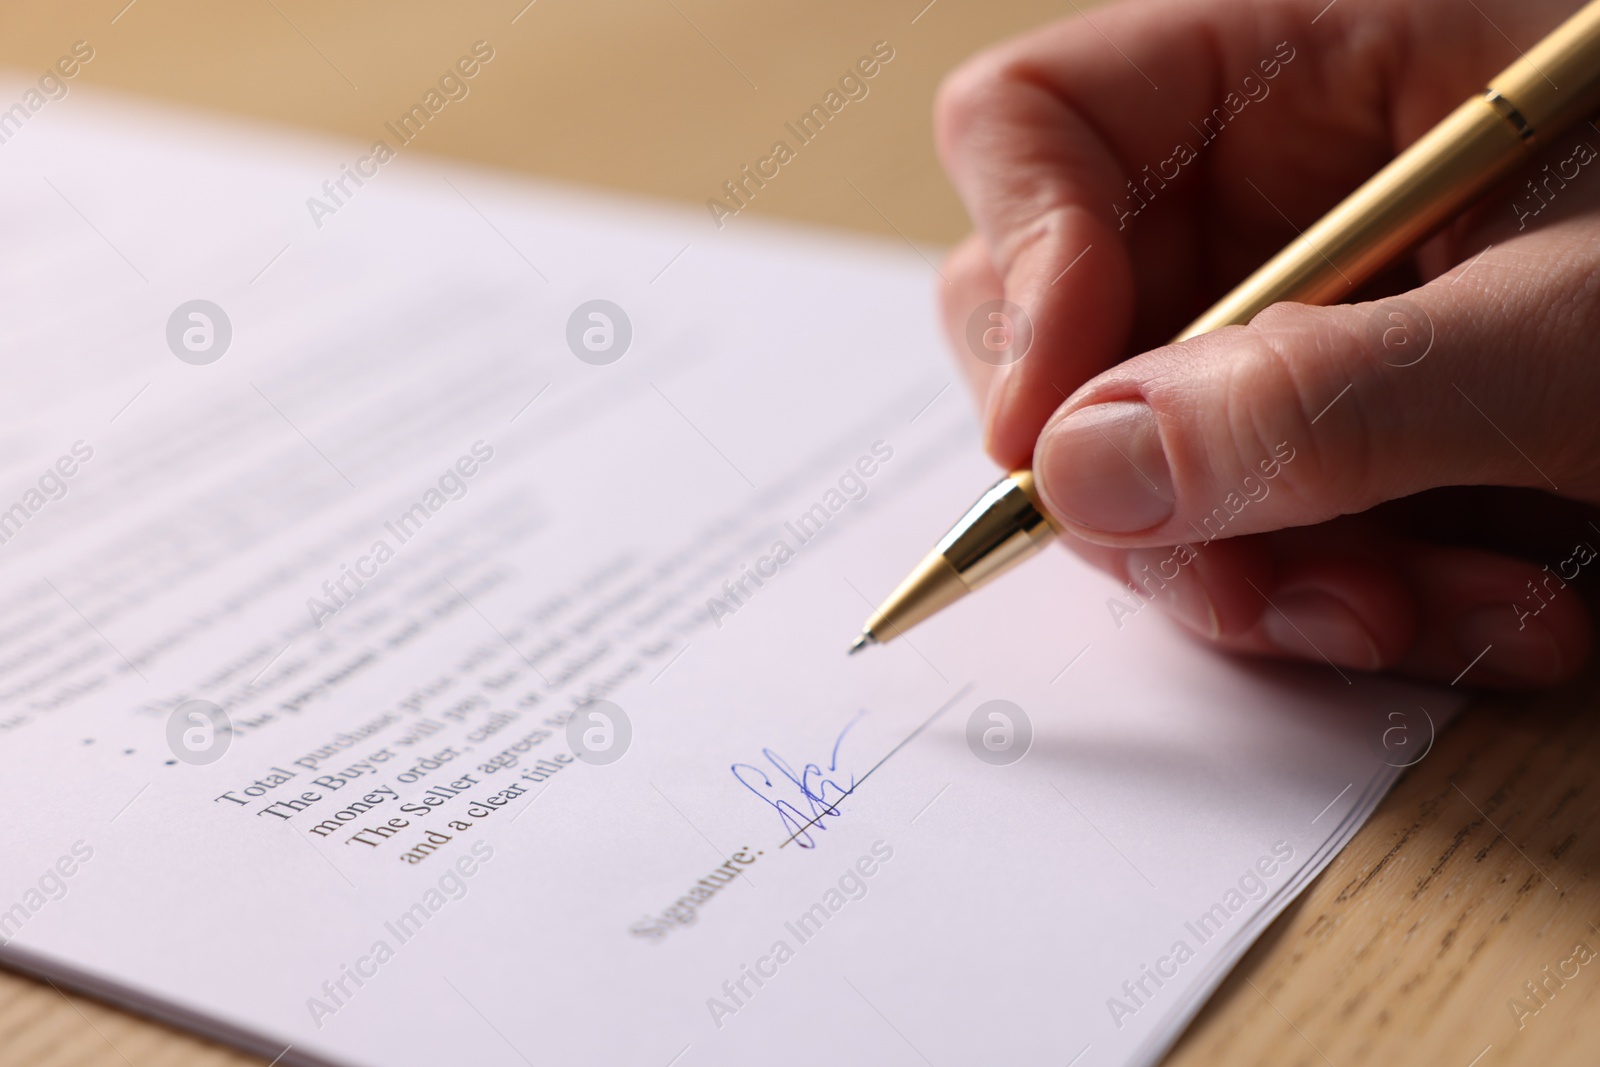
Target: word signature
[{"x": 802, "y": 799}]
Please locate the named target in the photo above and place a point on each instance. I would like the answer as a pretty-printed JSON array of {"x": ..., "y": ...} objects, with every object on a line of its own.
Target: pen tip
[{"x": 861, "y": 642}]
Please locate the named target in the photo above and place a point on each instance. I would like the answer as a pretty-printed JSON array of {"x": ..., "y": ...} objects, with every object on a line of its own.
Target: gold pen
[{"x": 1551, "y": 88}]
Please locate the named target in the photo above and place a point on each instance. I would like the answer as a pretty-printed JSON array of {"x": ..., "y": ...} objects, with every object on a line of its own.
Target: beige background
[
  {"x": 620, "y": 93},
  {"x": 1477, "y": 872}
]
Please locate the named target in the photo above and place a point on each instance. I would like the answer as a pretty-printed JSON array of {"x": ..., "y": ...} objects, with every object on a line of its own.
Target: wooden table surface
[{"x": 1416, "y": 946}]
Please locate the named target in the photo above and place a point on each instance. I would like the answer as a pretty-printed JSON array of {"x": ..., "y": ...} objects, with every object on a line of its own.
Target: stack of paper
[{"x": 429, "y": 648}]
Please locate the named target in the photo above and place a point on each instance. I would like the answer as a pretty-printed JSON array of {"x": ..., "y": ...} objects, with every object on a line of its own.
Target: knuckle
[
  {"x": 966, "y": 97},
  {"x": 1295, "y": 393},
  {"x": 953, "y": 105}
]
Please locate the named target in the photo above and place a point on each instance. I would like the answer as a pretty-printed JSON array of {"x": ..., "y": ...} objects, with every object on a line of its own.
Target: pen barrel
[
  {"x": 1398, "y": 208},
  {"x": 1557, "y": 83}
]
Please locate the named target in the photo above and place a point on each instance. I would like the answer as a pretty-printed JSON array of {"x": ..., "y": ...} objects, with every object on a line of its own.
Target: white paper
[{"x": 421, "y": 327}]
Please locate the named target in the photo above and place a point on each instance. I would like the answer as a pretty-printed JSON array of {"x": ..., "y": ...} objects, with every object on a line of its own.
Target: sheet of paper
[{"x": 404, "y": 537}]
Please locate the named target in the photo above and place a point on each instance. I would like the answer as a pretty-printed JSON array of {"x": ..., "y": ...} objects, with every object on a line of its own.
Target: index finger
[{"x": 1056, "y": 140}]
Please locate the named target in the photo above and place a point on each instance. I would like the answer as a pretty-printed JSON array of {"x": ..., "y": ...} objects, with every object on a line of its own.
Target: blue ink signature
[{"x": 802, "y": 800}]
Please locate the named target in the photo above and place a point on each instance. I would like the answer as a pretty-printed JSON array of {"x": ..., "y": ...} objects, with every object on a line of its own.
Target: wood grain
[{"x": 1476, "y": 873}]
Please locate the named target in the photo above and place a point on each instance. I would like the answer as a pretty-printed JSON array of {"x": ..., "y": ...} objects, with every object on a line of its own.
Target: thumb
[{"x": 1483, "y": 376}]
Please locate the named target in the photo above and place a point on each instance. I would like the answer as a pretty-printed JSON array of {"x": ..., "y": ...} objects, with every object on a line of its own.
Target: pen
[{"x": 1552, "y": 87}]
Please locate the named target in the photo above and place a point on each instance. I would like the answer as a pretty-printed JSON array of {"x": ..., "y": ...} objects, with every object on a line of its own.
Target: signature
[{"x": 801, "y": 798}]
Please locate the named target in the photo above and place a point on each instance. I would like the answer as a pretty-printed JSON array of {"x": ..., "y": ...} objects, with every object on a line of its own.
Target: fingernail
[
  {"x": 1102, "y": 467},
  {"x": 1312, "y": 624},
  {"x": 1182, "y": 595},
  {"x": 1501, "y": 643}
]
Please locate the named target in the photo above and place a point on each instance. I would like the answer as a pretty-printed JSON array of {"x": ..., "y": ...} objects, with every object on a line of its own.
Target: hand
[{"x": 1278, "y": 488}]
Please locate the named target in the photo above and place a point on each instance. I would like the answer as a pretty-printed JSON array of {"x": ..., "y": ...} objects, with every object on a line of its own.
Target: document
[{"x": 423, "y": 641}]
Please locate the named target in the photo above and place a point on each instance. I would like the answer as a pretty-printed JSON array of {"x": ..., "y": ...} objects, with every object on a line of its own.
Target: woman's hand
[{"x": 1261, "y": 484}]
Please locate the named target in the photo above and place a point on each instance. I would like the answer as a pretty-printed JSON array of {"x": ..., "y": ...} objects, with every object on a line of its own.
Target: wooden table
[{"x": 1478, "y": 872}]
